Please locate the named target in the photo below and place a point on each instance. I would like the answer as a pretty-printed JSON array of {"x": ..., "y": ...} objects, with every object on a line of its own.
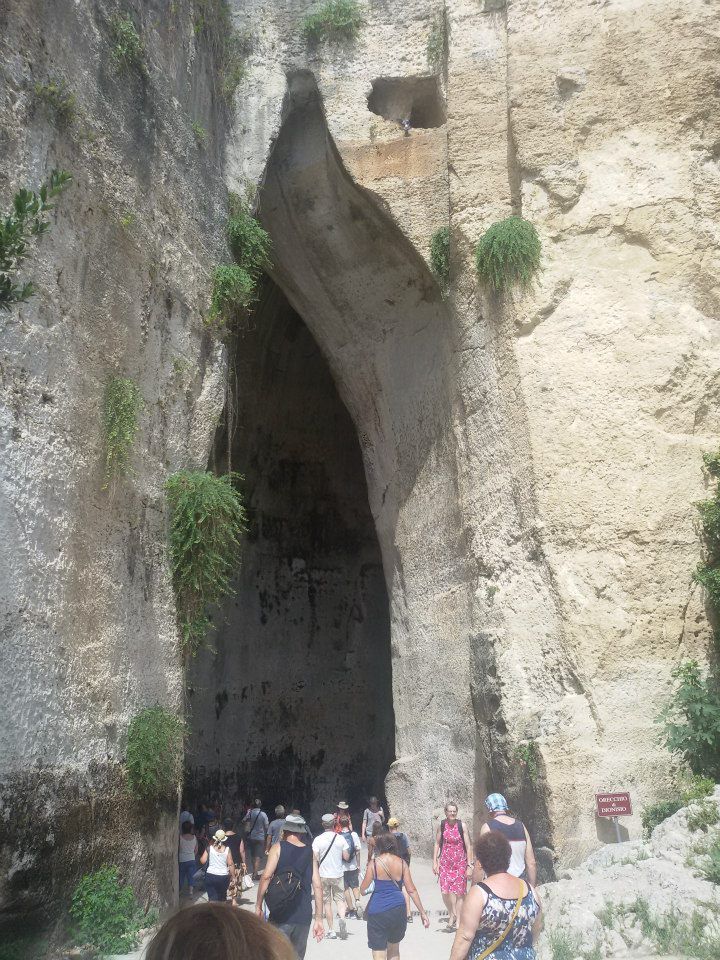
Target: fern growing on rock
[
  {"x": 24, "y": 223},
  {"x": 121, "y": 406},
  {"x": 154, "y": 754},
  {"x": 335, "y": 21},
  {"x": 249, "y": 242},
  {"x": 207, "y": 520},
  {"x": 440, "y": 256},
  {"x": 508, "y": 254},
  {"x": 233, "y": 290}
]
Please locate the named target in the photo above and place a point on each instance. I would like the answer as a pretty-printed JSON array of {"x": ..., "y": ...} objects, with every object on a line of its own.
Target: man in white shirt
[{"x": 331, "y": 853}]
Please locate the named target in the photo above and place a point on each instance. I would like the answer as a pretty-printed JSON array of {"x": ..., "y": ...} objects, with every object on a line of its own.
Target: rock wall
[
  {"x": 530, "y": 462},
  {"x": 559, "y": 432},
  {"x": 88, "y": 622}
]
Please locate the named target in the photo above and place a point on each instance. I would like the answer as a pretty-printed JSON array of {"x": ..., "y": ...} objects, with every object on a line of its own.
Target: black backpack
[{"x": 285, "y": 887}]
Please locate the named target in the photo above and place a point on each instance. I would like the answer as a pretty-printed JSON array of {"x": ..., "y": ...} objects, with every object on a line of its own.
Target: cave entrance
[{"x": 295, "y": 705}]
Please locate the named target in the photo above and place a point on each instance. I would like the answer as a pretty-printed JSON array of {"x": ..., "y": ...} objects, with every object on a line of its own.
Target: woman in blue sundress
[{"x": 501, "y": 915}]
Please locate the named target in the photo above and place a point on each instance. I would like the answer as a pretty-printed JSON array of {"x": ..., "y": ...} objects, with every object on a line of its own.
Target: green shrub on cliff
[
  {"x": 207, "y": 520},
  {"x": 154, "y": 754},
  {"x": 688, "y": 790},
  {"x": 233, "y": 291},
  {"x": 335, "y": 20},
  {"x": 249, "y": 243},
  {"x": 440, "y": 256},
  {"x": 105, "y": 913},
  {"x": 25, "y": 222},
  {"x": 121, "y": 407},
  {"x": 127, "y": 51},
  {"x": 692, "y": 719},
  {"x": 58, "y": 97},
  {"x": 508, "y": 254}
]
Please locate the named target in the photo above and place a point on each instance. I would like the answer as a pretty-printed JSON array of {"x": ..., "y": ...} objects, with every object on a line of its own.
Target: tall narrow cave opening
[{"x": 295, "y": 703}]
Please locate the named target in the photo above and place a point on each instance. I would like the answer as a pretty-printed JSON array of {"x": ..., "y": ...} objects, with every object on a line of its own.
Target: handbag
[{"x": 493, "y": 946}]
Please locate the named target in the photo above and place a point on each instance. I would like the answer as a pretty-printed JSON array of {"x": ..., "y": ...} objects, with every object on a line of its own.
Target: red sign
[{"x": 613, "y": 805}]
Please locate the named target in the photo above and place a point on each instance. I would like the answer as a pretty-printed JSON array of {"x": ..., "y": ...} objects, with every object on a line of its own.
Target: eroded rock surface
[{"x": 530, "y": 462}]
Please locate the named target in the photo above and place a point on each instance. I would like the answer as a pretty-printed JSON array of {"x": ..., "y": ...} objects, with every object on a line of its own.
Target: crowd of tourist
[{"x": 311, "y": 884}]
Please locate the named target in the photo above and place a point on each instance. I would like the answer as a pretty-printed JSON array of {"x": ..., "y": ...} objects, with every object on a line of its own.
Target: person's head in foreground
[
  {"x": 214, "y": 931},
  {"x": 493, "y": 851}
]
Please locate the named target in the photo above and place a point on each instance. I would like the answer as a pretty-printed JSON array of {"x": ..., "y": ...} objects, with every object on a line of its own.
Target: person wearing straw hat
[
  {"x": 342, "y": 813},
  {"x": 293, "y": 872},
  {"x": 522, "y": 861},
  {"x": 220, "y": 867}
]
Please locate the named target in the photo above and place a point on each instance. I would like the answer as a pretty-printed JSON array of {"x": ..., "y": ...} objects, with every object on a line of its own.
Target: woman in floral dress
[
  {"x": 451, "y": 862},
  {"x": 501, "y": 917}
]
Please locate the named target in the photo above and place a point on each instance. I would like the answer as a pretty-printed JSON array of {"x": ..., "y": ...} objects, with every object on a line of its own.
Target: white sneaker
[{"x": 331, "y": 935}]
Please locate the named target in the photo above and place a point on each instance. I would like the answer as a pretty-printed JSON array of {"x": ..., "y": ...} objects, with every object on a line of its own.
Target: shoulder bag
[
  {"x": 501, "y": 939},
  {"x": 335, "y": 836}
]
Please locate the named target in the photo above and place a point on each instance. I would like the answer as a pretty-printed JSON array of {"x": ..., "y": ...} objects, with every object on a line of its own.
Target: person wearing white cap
[
  {"x": 522, "y": 861},
  {"x": 289, "y": 882},
  {"x": 331, "y": 852}
]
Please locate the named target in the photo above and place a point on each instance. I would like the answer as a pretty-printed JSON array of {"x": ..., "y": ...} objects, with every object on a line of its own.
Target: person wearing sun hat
[
  {"x": 522, "y": 859},
  {"x": 220, "y": 867},
  {"x": 292, "y": 858}
]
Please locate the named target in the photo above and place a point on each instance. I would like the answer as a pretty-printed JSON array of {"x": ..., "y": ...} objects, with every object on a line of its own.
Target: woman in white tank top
[{"x": 220, "y": 867}]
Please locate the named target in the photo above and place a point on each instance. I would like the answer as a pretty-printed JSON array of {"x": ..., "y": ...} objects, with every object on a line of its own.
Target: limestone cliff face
[
  {"x": 530, "y": 462},
  {"x": 88, "y": 622}
]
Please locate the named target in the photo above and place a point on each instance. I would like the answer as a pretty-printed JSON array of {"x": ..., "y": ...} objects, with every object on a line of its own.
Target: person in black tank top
[
  {"x": 522, "y": 862},
  {"x": 295, "y": 916}
]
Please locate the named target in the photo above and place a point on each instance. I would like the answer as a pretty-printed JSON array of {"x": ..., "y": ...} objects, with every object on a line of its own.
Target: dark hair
[
  {"x": 386, "y": 843},
  {"x": 380, "y": 828},
  {"x": 227, "y": 824},
  {"x": 186, "y": 827},
  {"x": 493, "y": 851},
  {"x": 258, "y": 802}
]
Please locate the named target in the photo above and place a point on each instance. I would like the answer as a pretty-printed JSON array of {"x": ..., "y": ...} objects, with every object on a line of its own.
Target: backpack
[
  {"x": 284, "y": 888},
  {"x": 403, "y": 846},
  {"x": 348, "y": 838},
  {"x": 462, "y": 837}
]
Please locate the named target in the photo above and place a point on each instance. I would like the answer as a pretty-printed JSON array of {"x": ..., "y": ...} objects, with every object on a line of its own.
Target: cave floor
[{"x": 419, "y": 944}]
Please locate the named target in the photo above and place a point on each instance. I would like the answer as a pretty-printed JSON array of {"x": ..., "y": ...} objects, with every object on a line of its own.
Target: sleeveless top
[
  {"x": 186, "y": 852},
  {"x": 299, "y": 859},
  {"x": 217, "y": 861},
  {"x": 515, "y": 833},
  {"x": 387, "y": 894},
  {"x": 495, "y": 917}
]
